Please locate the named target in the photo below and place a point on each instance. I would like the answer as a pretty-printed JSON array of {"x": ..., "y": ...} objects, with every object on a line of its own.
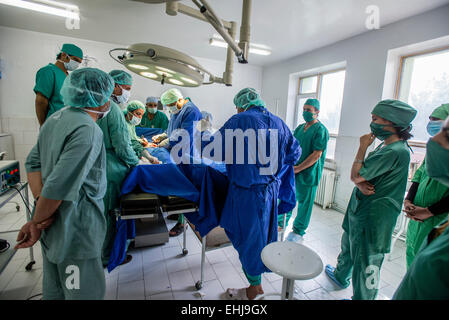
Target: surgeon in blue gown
[
  {"x": 250, "y": 212},
  {"x": 184, "y": 119}
]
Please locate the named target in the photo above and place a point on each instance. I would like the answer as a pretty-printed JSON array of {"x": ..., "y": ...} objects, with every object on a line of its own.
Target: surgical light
[
  {"x": 138, "y": 67},
  {"x": 46, "y": 6},
  {"x": 148, "y": 75},
  {"x": 177, "y": 82}
]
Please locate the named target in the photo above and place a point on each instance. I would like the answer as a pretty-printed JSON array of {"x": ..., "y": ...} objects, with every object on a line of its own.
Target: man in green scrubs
[
  {"x": 50, "y": 78},
  {"x": 67, "y": 176},
  {"x": 153, "y": 118},
  {"x": 427, "y": 202},
  {"x": 428, "y": 278},
  {"x": 120, "y": 158},
  {"x": 376, "y": 202},
  {"x": 123, "y": 85},
  {"x": 313, "y": 138}
]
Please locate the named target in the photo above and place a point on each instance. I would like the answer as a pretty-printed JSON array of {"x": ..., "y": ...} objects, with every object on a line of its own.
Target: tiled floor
[{"x": 162, "y": 273}]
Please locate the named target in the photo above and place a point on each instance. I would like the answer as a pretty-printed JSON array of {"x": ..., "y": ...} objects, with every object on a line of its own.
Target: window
[
  {"x": 423, "y": 83},
  {"x": 328, "y": 88}
]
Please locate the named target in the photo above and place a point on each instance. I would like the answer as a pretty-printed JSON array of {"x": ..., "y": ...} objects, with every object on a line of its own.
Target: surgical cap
[
  {"x": 152, "y": 100},
  {"x": 171, "y": 96},
  {"x": 134, "y": 105},
  {"x": 206, "y": 116},
  {"x": 395, "y": 111},
  {"x": 442, "y": 112},
  {"x": 248, "y": 97},
  {"x": 314, "y": 103},
  {"x": 72, "y": 50},
  {"x": 87, "y": 87},
  {"x": 121, "y": 77}
]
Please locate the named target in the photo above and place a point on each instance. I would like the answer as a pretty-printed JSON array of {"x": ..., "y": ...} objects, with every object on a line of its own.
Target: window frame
[{"x": 316, "y": 95}]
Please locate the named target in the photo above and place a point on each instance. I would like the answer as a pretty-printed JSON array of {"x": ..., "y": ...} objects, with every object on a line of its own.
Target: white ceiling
[{"x": 295, "y": 27}]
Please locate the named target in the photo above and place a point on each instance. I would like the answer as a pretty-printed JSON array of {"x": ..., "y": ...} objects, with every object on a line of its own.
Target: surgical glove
[
  {"x": 164, "y": 144},
  {"x": 143, "y": 161},
  {"x": 150, "y": 158},
  {"x": 158, "y": 138}
]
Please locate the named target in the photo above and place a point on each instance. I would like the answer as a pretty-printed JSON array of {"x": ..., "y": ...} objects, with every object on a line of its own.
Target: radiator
[{"x": 325, "y": 192}]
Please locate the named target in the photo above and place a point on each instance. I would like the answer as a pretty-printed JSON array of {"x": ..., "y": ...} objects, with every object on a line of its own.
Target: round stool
[{"x": 292, "y": 261}]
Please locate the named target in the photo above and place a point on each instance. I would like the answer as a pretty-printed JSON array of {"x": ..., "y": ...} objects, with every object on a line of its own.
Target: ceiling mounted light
[
  {"x": 163, "y": 64},
  {"x": 46, "y": 6},
  {"x": 253, "y": 48},
  {"x": 138, "y": 66}
]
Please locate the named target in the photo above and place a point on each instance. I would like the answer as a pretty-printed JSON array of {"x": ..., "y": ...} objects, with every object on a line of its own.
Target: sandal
[
  {"x": 176, "y": 230},
  {"x": 236, "y": 294},
  {"x": 127, "y": 259},
  {"x": 4, "y": 245}
]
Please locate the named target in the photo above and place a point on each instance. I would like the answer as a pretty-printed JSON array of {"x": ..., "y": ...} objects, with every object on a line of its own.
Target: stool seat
[{"x": 292, "y": 260}]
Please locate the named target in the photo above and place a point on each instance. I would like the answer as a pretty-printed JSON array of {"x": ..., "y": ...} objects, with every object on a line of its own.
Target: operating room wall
[
  {"x": 365, "y": 57},
  {"x": 23, "y": 52}
]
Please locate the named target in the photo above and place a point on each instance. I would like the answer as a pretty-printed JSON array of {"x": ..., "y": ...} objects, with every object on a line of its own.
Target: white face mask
[
  {"x": 173, "y": 109},
  {"x": 101, "y": 114},
  {"x": 71, "y": 65},
  {"x": 124, "y": 98},
  {"x": 135, "y": 121},
  {"x": 152, "y": 110}
]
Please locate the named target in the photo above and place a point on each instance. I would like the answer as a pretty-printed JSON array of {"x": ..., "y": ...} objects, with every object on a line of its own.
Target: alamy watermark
[{"x": 373, "y": 20}]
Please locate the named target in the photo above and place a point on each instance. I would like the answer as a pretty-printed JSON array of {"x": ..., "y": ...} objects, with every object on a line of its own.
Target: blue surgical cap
[
  {"x": 121, "y": 77},
  {"x": 248, "y": 97},
  {"x": 87, "y": 87},
  {"x": 314, "y": 103},
  {"x": 152, "y": 100}
]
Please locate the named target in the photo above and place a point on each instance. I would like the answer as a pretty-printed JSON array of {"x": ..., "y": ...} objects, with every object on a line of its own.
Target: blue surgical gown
[{"x": 250, "y": 212}]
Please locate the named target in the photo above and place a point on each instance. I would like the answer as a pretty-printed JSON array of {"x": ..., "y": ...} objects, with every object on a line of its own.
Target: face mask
[
  {"x": 125, "y": 96},
  {"x": 433, "y": 127},
  {"x": 71, "y": 65},
  {"x": 101, "y": 114},
  {"x": 174, "y": 109},
  {"x": 308, "y": 116},
  {"x": 152, "y": 110},
  {"x": 437, "y": 162},
  {"x": 135, "y": 121},
  {"x": 379, "y": 132}
]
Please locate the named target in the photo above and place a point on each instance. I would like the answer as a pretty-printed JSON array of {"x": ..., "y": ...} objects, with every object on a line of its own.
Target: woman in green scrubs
[
  {"x": 428, "y": 277},
  {"x": 313, "y": 138},
  {"x": 66, "y": 171},
  {"x": 427, "y": 202},
  {"x": 153, "y": 118},
  {"x": 376, "y": 202}
]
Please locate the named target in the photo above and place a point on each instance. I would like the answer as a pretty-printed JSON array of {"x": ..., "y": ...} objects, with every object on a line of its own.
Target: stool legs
[{"x": 288, "y": 286}]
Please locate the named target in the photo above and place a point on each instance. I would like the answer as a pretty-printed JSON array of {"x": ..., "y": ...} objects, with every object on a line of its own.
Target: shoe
[
  {"x": 236, "y": 294},
  {"x": 4, "y": 245},
  {"x": 176, "y": 230},
  {"x": 127, "y": 259},
  {"x": 330, "y": 271},
  {"x": 293, "y": 237}
]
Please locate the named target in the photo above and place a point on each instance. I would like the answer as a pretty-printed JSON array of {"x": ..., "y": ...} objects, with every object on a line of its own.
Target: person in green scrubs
[
  {"x": 66, "y": 171},
  {"x": 427, "y": 202},
  {"x": 133, "y": 115},
  {"x": 120, "y": 158},
  {"x": 313, "y": 138},
  {"x": 376, "y": 202},
  {"x": 49, "y": 81},
  {"x": 427, "y": 277},
  {"x": 123, "y": 85},
  {"x": 153, "y": 118}
]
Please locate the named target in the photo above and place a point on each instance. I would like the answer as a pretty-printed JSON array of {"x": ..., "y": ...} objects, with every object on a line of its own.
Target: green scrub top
[
  {"x": 428, "y": 277},
  {"x": 160, "y": 121},
  {"x": 376, "y": 215},
  {"x": 137, "y": 146},
  {"x": 49, "y": 81},
  {"x": 315, "y": 138},
  {"x": 119, "y": 152},
  {"x": 71, "y": 157}
]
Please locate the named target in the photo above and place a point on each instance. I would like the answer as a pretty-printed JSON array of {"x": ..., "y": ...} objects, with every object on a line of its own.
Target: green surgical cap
[
  {"x": 248, "y": 97},
  {"x": 442, "y": 112},
  {"x": 171, "y": 96},
  {"x": 72, "y": 50},
  {"x": 134, "y": 105},
  {"x": 87, "y": 87},
  {"x": 395, "y": 111},
  {"x": 121, "y": 77},
  {"x": 314, "y": 103}
]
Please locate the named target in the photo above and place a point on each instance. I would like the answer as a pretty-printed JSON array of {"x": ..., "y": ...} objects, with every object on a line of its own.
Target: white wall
[
  {"x": 365, "y": 57},
  {"x": 23, "y": 52}
]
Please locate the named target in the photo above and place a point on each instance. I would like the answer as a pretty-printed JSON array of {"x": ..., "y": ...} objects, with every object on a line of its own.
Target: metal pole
[
  {"x": 227, "y": 75},
  {"x": 245, "y": 29}
]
